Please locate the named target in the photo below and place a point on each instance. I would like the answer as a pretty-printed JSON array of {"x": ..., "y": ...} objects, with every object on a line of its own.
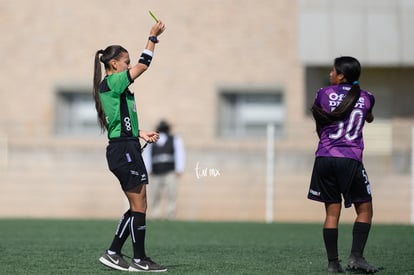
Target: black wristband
[{"x": 145, "y": 59}]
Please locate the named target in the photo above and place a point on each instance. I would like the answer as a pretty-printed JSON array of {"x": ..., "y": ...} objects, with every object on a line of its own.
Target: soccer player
[
  {"x": 117, "y": 115},
  {"x": 340, "y": 112}
]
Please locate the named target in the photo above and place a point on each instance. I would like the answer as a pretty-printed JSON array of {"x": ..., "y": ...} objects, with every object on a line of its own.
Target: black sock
[
  {"x": 330, "y": 237},
  {"x": 360, "y": 234},
  {"x": 122, "y": 232},
  {"x": 138, "y": 229}
]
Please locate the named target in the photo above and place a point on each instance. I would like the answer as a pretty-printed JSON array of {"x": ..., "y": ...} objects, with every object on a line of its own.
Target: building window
[
  {"x": 75, "y": 113},
  {"x": 246, "y": 113}
]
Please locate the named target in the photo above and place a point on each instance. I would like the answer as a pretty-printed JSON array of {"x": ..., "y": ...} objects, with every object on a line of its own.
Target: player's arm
[
  {"x": 146, "y": 56},
  {"x": 370, "y": 117}
]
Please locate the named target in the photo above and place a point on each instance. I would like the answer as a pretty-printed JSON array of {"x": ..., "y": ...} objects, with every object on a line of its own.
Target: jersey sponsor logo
[
  {"x": 315, "y": 193},
  {"x": 127, "y": 123},
  {"x": 133, "y": 172},
  {"x": 335, "y": 99}
]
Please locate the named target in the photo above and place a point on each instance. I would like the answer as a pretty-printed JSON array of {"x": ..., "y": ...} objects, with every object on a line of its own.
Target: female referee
[
  {"x": 117, "y": 115},
  {"x": 340, "y": 112}
]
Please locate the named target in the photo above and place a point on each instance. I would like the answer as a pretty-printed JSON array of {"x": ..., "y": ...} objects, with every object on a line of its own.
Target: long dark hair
[
  {"x": 111, "y": 52},
  {"x": 351, "y": 69}
]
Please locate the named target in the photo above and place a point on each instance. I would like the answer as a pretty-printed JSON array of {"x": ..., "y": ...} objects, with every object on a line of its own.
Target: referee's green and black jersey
[{"x": 119, "y": 105}]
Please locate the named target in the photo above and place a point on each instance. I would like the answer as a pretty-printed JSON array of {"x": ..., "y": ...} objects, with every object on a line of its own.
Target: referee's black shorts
[
  {"x": 335, "y": 177},
  {"x": 126, "y": 163}
]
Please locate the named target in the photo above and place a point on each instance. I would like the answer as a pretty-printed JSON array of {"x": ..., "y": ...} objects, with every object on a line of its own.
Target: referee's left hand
[{"x": 149, "y": 136}]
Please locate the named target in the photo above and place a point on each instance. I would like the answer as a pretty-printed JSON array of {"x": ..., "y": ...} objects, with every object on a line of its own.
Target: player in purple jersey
[{"x": 340, "y": 112}]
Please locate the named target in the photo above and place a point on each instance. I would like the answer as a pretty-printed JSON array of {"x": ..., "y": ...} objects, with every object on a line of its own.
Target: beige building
[{"x": 222, "y": 72}]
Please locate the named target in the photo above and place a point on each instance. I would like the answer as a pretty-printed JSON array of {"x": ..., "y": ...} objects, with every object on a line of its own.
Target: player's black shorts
[
  {"x": 125, "y": 161},
  {"x": 333, "y": 177}
]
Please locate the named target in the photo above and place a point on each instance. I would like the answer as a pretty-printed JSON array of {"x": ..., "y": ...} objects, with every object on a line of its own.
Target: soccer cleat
[
  {"x": 335, "y": 267},
  {"x": 362, "y": 264},
  {"x": 114, "y": 261},
  {"x": 146, "y": 265}
]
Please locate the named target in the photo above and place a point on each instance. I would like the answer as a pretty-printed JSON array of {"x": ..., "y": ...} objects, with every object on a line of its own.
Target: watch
[{"x": 153, "y": 39}]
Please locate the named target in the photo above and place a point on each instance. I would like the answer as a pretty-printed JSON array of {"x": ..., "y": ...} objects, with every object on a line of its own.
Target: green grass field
[{"x": 74, "y": 246}]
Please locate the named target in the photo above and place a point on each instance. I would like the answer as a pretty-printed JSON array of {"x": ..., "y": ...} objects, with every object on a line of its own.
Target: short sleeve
[{"x": 118, "y": 82}]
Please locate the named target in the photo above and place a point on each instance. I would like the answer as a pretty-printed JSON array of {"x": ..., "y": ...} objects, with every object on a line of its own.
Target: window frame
[
  {"x": 70, "y": 101},
  {"x": 228, "y": 124}
]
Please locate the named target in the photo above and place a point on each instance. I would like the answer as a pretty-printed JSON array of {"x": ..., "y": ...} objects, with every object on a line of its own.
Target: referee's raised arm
[{"x": 147, "y": 54}]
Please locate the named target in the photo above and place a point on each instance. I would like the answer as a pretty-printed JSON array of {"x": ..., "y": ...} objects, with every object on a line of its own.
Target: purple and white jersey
[{"x": 344, "y": 138}]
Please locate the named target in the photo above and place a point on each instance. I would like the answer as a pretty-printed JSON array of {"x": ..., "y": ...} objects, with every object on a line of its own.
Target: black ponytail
[
  {"x": 104, "y": 56},
  {"x": 97, "y": 77}
]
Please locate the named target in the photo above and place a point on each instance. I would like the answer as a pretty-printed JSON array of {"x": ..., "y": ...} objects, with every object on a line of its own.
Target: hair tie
[
  {"x": 100, "y": 51},
  {"x": 355, "y": 82}
]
